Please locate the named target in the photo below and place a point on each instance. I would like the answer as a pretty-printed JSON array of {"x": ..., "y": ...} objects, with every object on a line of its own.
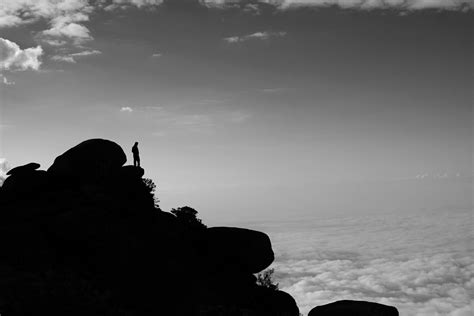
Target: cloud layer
[
  {"x": 66, "y": 18},
  {"x": 421, "y": 262},
  {"x": 12, "y": 57},
  {"x": 381, "y": 4}
]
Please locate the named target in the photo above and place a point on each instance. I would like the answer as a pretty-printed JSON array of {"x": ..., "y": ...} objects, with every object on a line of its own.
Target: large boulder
[
  {"x": 247, "y": 250},
  {"x": 353, "y": 308},
  {"x": 29, "y": 167},
  {"x": 91, "y": 160}
]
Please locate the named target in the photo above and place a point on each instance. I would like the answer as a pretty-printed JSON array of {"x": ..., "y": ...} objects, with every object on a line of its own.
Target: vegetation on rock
[{"x": 265, "y": 279}]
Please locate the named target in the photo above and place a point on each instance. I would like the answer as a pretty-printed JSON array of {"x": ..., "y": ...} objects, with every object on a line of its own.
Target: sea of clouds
[{"x": 419, "y": 261}]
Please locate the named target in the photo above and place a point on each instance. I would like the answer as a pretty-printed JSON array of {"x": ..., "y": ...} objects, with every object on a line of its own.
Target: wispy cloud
[
  {"x": 271, "y": 90},
  {"x": 153, "y": 108},
  {"x": 257, "y": 36},
  {"x": 63, "y": 58},
  {"x": 125, "y": 4},
  {"x": 86, "y": 53},
  {"x": 5, "y": 81},
  {"x": 192, "y": 122},
  {"x": 239, "y": 116},
  {"x": 54, "y": 42},
  {"x": 71, "y": 58},
  {"x": 14, "y": 58},
  {"x": 126, "y": 109},
  {"x": 156, "y": 55}
]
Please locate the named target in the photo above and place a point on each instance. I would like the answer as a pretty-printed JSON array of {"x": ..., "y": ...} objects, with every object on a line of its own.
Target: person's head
[{"x": 136, "y": 143}]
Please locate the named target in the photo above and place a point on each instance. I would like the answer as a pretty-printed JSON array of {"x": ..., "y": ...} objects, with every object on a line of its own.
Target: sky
[{"x": 248, "y": 109}]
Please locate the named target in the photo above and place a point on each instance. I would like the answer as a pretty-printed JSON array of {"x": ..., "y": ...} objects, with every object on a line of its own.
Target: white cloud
[
  {"x": 86, "y": 53},
  {"x": 138, "y": 3},
  {"x": 54, "y": 42},
  {"x": 405, "y": 259},
  {"x": 12, "y": 57},
  {"x": 258, "y": 35},
  {"x": 71, "y": 58},
  {"x": 66, "y": 58},
  {"x": 252, "y": 8},
  {"x": 64, "y": 17},
  {"x": 438, "y": 284},
  {"x": 3, "y": 169},
  {"x": 72, "y": 30},
  {"x": 156, "y": 55},
  {"x": 5, "y": 80},
  {"x": 232, "y": 39},
  {"x": 67, "y": 18},
  {"x": 126, "y": 109}
]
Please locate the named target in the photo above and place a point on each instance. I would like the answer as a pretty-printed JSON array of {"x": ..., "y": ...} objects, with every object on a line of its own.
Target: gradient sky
[{"x": 249, "y": 109}]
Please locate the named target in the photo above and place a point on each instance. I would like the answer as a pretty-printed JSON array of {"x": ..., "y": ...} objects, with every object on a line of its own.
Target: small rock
[{"x": 353, "y": 308}]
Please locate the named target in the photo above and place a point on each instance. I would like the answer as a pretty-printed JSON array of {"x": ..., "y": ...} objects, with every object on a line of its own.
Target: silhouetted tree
[
  {"x": 151, "y": 186},
  {"x": 187, "y": 215},
  {"x": 265, "y": 279}
]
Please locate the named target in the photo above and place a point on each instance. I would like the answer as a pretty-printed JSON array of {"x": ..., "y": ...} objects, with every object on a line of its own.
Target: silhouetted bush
[
  {"x": 151, "y": 186},
  {"x": 187, "y": 215},
  {"x": 265, "y": 279}
]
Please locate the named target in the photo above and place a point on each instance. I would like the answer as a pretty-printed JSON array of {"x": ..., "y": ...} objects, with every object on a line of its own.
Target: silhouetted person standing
[{"x": 136, "y": 155}]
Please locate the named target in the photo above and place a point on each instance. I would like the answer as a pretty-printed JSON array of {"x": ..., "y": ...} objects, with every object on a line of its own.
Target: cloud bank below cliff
[{"x": 420, "y": 262}]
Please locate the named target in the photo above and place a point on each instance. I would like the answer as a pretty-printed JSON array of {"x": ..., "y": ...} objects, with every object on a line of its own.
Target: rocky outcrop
[
  {"x": 24, "y": 169},
  {"x": 85, "y": 237},
  {"x": 353, "y": 308},
  {"x": 91, "y": 160},
  {"x": 131, "y": 172}
]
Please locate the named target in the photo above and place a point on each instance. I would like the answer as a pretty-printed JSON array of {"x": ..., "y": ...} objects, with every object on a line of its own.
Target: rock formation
[{"x": 86, "y": 237}]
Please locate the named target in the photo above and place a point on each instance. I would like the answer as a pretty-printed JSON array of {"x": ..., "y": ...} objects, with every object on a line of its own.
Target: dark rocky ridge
[{"x": 86, "y": 237}]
